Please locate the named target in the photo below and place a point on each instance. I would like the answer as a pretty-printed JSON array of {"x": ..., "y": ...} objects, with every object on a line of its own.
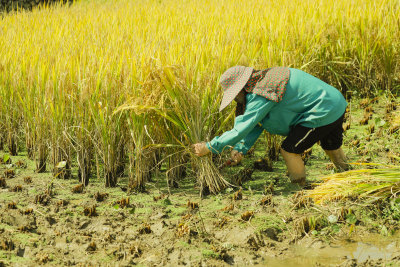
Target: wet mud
[{"x": 59, "y": 222}]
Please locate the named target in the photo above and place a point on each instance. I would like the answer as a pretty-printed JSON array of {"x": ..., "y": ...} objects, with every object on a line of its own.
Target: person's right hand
[
  {"x": 236, "y": 157},
  {"x": 200, "y": 149}
]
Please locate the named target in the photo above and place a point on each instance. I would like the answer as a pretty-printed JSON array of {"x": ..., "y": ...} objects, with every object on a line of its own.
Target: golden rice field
[{"x": 114, "y": 86}]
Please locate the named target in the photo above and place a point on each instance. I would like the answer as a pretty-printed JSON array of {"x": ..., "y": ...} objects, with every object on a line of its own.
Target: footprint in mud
[{"x": 18, "y": 219}]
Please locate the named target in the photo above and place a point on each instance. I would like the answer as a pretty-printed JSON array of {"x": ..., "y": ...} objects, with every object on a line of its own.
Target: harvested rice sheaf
[
  {"x": 371, "y": 184},
  {"x": 124, "y": 202},
  {"x": 230, "y": 207},
  {"x": 9, "y": 173},
  {"x": 90, "y": 211},
  {"x": 238, "y": 195},
  {"x": 7, "y": 244},
  {"x": 221, "y": 222},
  {"x": 12, "y": 205},
  {"x": 17, "y": 188},
  {"x": 157, "y": 198},
  {"x": 192, "y": 205},
  {"x": 28, "y": 179},
  {"x": 91, "y": 247},
  {"x": 247, "y": 215},
  {"x": 42, "y": 198},
  {"x": 395, "y": 123},
  {"x": 145, "y": 229},
  {"x": 100, "y": 196},
  {"x": 266, "y": 201},
  {"x": 62, "y": 203},
  {"x": 27, "y": 211},
  {"x": 21, "y": 164},
  {"x": 78, "y": 188}
]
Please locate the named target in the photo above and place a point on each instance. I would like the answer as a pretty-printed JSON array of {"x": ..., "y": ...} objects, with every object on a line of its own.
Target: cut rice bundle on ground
[{"x": 366, "y": 184}]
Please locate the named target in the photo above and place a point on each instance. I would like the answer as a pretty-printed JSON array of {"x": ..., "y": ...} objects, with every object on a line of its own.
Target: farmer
[{"x": 283, "y": 101}]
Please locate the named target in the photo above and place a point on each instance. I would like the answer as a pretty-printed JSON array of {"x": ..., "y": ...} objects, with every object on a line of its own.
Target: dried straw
[{"x": 366, "y": 184}]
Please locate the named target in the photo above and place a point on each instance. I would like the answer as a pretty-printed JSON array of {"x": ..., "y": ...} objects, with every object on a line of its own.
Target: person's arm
[
  {"x": 246, "y": 143},
  {"x": 257, "y": 108}
]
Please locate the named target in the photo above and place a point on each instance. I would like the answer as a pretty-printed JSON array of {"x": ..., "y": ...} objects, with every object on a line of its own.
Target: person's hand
[
  {"x": 200, "y": 149},
  {"x": 236, "y": 157}
]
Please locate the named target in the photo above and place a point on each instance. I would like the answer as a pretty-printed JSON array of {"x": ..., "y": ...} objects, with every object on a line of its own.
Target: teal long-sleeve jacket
[{"x": 307, "y": 101}]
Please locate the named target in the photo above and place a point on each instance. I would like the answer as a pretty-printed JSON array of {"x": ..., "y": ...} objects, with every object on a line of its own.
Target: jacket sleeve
[
  {"x": 246, "y": 143},
  {"x": 257, "y": 107}
]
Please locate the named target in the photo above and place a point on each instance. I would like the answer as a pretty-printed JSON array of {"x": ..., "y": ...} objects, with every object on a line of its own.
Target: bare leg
[
  {"x": 338, "y": 158},
  {"x": 295, "y": 167}
]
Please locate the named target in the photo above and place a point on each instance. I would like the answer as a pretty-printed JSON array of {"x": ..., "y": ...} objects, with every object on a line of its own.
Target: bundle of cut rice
[{"x": 367, "y": 184}]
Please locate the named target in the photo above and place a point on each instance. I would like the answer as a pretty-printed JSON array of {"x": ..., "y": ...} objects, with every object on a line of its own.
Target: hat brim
[{"x": 235, "y": 88}]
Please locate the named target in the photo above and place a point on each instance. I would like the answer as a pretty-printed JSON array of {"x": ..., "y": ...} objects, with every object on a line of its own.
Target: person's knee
[{"x": 284, "y": 152}]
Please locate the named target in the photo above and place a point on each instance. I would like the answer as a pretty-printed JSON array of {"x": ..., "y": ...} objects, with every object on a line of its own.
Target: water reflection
[
  {"x": 372, "y": 247},
  {"x": 365, "y": 251}
]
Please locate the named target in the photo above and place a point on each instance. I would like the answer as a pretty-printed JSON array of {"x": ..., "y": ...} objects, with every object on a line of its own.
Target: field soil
[{"x": 51, "y": 221}]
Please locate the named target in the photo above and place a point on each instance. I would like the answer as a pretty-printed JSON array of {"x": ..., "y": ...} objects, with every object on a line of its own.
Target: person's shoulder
[
  {"x": 256, "y": 102},
  {"x": 250, "y": 97}
]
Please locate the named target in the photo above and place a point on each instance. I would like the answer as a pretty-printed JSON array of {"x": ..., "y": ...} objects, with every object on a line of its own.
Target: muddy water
[{"x": 371, "y": 250}]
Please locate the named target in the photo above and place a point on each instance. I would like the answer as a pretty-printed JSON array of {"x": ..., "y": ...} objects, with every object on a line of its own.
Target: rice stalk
[
  {"x": 273, "y": 146},
  {"x": 367, "y": 184},
  {"x": 141, "y": 156},
  {"x": 194, "y": 118},
  {"x": 109, "y": 138},
  {"x": 177, "y": 167},
  {"x": 78, "y": 63},
  {"x": 61, "y": 150},
  {"x": 41, "y": 132},
  {"x": 181, "y": 111},
  {"x": 11, "y": 117},
  {"x": 1, "y": 139}
]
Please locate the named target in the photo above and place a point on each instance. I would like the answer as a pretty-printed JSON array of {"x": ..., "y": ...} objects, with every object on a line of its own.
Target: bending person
[{"x": 282, "y": 101}]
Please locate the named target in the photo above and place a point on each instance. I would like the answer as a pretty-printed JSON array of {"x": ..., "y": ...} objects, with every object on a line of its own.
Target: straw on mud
[{"x": 359, "y": 184}]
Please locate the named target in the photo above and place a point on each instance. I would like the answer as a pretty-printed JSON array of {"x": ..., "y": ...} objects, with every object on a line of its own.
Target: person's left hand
[
  {"x": 236, "y": 157},
  {"x": 200, "y": 149}
]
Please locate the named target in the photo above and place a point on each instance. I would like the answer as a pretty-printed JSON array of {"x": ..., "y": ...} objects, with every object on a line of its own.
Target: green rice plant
[
  {"x": 146, "y": 130},
  {"x": 11, "y": 115},
  {"x": 80, "y": 138},
  {"x": 33, "y": 108},
  {"x": 144, "y": 159},
  {"x": 28, "y": 108},
  {"x": 61, "y": 117},
  {"x": 366, "y": 184},
  {"x": 273, "y": 146},
  {"x": 41, "y": 133},
  {"x": 1, "y": 138},
  {"x": 141, "y": 156},
  {"x": 80, "y": 129},
  {"x": 176, "y": 167},
  {"x": 108, "y": 133},
  {"x": 65, "y": 69},
  {"x": 191, "y": 117}
]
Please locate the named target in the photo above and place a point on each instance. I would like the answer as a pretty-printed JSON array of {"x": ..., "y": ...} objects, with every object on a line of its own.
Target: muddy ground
[{"x": 43, "y": 222}]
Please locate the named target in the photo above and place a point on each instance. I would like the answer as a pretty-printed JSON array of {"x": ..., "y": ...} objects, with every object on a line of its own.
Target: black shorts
[{"x": 301, "y": 138}]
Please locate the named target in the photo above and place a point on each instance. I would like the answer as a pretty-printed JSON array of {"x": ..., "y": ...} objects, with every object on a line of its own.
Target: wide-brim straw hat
[{"x": 232, "y": 81}]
